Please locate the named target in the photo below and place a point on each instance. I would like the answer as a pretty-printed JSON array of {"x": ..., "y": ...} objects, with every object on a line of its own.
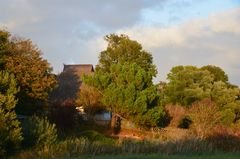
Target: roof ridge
[
  {"x": 79, "y": 67},
  {"x": 78, "y": 64}
]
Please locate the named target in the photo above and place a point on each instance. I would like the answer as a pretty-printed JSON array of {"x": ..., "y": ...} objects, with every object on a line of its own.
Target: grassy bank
[
  {"x": 85, "y": 148},
  {"x": 94, "y": 144},
  {"x": 157, "y": 156}
]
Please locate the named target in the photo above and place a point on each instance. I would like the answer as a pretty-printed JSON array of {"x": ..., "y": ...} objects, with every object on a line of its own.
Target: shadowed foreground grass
[
  {"x": 157, "y": 156},
  {"x": 95, "y": 145}
]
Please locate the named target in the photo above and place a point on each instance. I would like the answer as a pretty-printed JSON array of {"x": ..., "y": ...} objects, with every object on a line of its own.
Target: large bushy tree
[
  {"x": 10, "y": 130},
  {"x": 227, "y": 98},
  {"x": 33, "y": 73},
  {"x": 188, "y": 84},
  {"x": 124, "y": 78},
  {"x": 217, "y": 73}
]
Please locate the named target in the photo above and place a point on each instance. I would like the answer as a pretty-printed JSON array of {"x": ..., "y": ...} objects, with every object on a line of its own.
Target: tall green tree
[
  {"x": 124, "y": 78},
  {"x": 10, "y": 130},
  {"x": 33, "y": 73},
  {"x": 120, "y": 50},
  {"x": 188, "y": 84}
]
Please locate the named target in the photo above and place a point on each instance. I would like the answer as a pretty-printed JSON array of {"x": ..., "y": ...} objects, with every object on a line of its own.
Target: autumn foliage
[{"x": 33, "y": 74}]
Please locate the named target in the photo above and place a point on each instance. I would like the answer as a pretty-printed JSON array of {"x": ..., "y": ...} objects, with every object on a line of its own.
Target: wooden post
[{"x": 115, "y": 123}]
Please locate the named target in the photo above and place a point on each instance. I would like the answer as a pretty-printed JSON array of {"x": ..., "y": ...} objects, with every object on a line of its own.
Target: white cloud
[
  {"x": 226, "y": 22},
  {"x": 66, "y": 30},
  {"x": 213, "y": 40},
  {"x": 155, "y": 36}
]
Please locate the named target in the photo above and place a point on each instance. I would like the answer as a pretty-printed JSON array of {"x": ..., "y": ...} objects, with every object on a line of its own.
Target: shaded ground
[{"x": 168, "y": 133}]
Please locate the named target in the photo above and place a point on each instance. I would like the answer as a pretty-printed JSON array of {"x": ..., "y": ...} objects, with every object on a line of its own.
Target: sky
[{"x": 175, "y": 32}]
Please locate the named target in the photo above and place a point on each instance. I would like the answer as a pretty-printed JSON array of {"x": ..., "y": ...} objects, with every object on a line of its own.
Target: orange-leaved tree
[{"x": 33, "y": 73}]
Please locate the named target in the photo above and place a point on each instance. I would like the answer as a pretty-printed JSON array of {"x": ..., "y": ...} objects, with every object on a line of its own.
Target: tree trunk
[{"x": 115, "y": 123}]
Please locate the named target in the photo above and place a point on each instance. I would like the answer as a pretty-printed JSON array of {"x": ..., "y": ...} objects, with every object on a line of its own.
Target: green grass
[{"x": 157, "y": 156}]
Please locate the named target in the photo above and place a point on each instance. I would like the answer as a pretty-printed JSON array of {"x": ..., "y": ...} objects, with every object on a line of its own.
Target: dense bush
[
  {"x": 205, "y": 115},
  {"x": 176, "y": 113},
  {"x": 10, "y": 130},
  {"x": 90, "y": 98},
  {"x": 38, "y": 132}
]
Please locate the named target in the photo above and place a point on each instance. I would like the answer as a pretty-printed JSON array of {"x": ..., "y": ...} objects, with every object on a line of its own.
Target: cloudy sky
[{"x": 176, "y": 32}]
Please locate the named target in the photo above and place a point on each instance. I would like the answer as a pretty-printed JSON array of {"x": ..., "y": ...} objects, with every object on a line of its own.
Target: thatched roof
[
  {"x": 69, "y": 83},
  {"x": 79, "y": 69}
]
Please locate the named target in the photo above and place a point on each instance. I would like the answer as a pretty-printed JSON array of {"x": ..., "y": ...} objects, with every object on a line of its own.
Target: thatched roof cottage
[{"x": 69, "y": 83}]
